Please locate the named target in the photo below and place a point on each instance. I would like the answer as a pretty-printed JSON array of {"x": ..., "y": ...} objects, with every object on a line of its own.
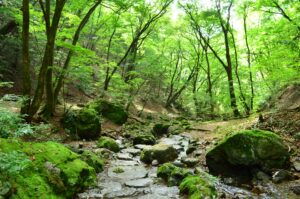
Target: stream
[{"x": 125, "y": 176}]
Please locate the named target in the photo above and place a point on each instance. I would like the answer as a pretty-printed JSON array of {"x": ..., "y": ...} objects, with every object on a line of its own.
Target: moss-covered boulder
[
  {"x": 112, "y": 111},
  {"x": 160, "y": 129},
  {"x": 237, "y": 154},
  {"x": 54, "y": 170},
  {"x": 93, "y": 160},
  {"x": 197, "y": 187},
  {"x": 161, "y": 152},
  {"x": 147, "y": 139},
  {"x": 83, "y": 123},
  {"x": 108, "y": 143},
  {"x": 172, "y": 174}
]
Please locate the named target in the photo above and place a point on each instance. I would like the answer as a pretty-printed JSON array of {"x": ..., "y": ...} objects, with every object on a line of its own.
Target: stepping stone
[
  {"x": 124, "y": 156},
  {"x": 139, "y": 183},
  {"x": 124, "y": 163},
  {"x": 130, "y": 172},
  {"x": 141, "y": 146},
  {"x": 132, "y": 151},
  {"x": 125, "y": 192}
]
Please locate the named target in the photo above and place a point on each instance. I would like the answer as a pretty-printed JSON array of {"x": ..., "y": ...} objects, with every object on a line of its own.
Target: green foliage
[
  {"x": 14, "y": 162},
  {"x": 12, "y": 125}
]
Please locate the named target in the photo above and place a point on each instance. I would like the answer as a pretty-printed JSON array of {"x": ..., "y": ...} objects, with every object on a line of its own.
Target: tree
[{"x": 25, "y": 58}]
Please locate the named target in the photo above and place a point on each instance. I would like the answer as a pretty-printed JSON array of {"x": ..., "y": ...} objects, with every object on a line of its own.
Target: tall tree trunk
[
  {"x": 248, "y": 59},
  {"x": 47, "y": 63},
  {"x": 26, "y": 59},
  {"x": 242, "y": 96}
]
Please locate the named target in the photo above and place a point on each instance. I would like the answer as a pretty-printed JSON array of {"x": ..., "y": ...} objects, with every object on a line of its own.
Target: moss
[
  {"x": 172, "y": 174},
  {"x": 93, "y": 160},
  {"x": 108, "y": 143},
  {"x": 33, "y": 185},
  {"x": 55, "y": 172},
  {"x": 84, "y": 123},
  {"x": 111, "y": 111},
  {"x": 148, "y": 139},
  {"x": 118, "y": 170},
  {"x": 197, "y": 188},
  {"x": 247, "y": 149},
  {"x": 160, "y": 152}
]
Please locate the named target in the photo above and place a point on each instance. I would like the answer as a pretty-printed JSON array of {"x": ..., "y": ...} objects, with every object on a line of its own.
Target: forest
[{"x": 149, "y": 99}]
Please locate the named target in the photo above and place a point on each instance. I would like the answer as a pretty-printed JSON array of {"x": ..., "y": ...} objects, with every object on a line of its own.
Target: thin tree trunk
[
  {"x": 59, "y": 84},
  {"x": 249, "y": 61}
]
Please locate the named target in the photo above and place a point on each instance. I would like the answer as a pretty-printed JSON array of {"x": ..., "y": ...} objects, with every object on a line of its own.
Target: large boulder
[
  {"x": 83, "y": 123},
  {"x": 239, "y": 153},
  {"x": 108, "y": 143},
  {"x": 161, "y": 152},
  {"x": 51, "y": 170},
  {"x": 112, "y": 111}
]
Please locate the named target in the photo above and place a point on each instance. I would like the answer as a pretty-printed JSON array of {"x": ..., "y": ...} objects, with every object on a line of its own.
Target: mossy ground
[{"x": 55, "y": 171}]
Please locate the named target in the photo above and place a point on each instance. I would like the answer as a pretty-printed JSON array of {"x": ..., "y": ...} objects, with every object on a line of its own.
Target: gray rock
[
  {"x": 281, "y": 175},
  {"x": 124, "y": 163},
  {"x": 132, "y": 151},
  {"x": 160, "y": 152},
  {"x": 130, "y": 172},
  {"x": 124, "y": 156},
  {"x": 155, "y": 163},
  {"x": 263, "y": 176},
  {"x": 139, "y": 183},
  {"x": 125, "y": 192},
  {"x": 141, "y": 146},
  {"x": 296, "y": 189},
  {"x": 190, "y": 162},
  {"x": 296, "y": 165}
]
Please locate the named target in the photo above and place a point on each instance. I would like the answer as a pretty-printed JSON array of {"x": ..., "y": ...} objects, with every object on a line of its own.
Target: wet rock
[
  {"x": 141, "y": 146},
  {"x": 130, "y": 172},
  {"x": 191, "y": 149},
  {"x": 108, "y": 143},
  {"x": 124, "y": 156},
  {"x": 160, "y": 152},
  {"x": 147, "y": 139},
  {"x": 281, "y": 175},
  {"x": 262, "y": 176},
  {"x": 178, "y": 163},
  {"x": 155, "y": 163},
  {"x": 162, "y": 191},
  {"x": 247, "y": 149},
  {"x": 296, "y": 164},
  {"x": 190, "y": 162},
  {"x": 295, "y": 189},
  {"x": 125, "y": 163},
  {"x": 110, "y": 186},
  {"x": 139, "y": 183},
  {"x": 172, "y": 174},
  {"x": 132, "y": 151},
  {"x": 125, "y": 192},
  {"x": 198, "y": 152}
]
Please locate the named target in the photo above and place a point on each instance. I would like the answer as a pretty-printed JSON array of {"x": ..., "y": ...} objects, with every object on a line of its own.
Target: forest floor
[{"x": 206, "y": 133}]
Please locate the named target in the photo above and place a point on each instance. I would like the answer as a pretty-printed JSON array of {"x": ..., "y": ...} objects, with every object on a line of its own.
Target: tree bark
[
  {"x": 50, "y": 106},
  {"x": 26, "y": 59}
]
